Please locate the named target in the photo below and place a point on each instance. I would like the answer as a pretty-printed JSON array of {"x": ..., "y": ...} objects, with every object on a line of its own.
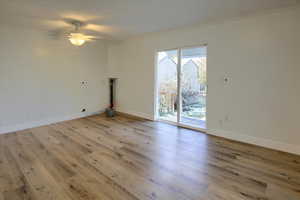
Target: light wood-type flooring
[{"x": 124, "y": 158}]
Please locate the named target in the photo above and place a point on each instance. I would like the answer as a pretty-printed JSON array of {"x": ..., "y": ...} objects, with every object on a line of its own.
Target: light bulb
[{"x": 77, "y": 39}]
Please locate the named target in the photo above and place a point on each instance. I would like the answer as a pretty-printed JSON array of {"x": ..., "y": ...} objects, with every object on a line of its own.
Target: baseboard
[
  {"x": 137, "y": 114},
  {"x": 267, "y": 143},
  {"x": 27, "y": 125},
  {"x": 281, "y": 146}
]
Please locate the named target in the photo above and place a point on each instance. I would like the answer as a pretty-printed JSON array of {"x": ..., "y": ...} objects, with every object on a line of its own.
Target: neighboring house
[
  {"x": 190, "y": 76},
  {"x": 192, "y": 73},
  {"x": 167, "y": 70}
]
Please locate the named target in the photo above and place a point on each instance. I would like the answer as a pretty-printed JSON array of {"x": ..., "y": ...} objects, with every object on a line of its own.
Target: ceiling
[{"x": 119, "y": 19}]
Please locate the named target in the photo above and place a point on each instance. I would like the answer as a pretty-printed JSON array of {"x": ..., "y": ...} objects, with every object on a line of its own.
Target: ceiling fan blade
[
  {"x": 57, "y": 23},
  {"x": 58, "y": 34},
  {"x": 98, "y": 28},
  {"x": 92, "y": 37}
]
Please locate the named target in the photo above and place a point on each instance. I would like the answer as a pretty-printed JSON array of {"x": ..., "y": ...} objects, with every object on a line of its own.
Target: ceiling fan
[
  {"x": 76, "y": 37},
  {"x": 74, "y": 31}
]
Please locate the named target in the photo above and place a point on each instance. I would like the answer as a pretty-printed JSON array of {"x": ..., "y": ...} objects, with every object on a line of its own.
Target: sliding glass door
[
  {"x": 167, "y": 84},
  {"x": 193, "y": 87},
  {"x": 182, "y": 86}
]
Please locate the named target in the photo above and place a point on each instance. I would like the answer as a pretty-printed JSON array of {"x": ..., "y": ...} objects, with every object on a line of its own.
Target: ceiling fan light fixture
[{"x": 77, "y": 39}]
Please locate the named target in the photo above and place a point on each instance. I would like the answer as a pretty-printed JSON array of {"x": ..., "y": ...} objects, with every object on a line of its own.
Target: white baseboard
[
  {"x": 27, "y": 125},
  {"x": 281, "y": 146},
  {"x": 267, "y": 143},
  {"x": 138, "y": 114}
]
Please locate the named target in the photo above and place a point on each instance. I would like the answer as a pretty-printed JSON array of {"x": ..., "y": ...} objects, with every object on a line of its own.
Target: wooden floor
[{"x": 123, "y": 158}]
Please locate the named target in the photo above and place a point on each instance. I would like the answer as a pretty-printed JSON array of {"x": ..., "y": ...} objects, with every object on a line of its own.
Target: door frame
[{"x": 155, "y": 107}]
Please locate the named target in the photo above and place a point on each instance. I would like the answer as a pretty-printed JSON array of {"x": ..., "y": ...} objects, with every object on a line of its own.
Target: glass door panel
[
  {"x": 167, "y": 64},
  {"x": 193, "y": 87}
]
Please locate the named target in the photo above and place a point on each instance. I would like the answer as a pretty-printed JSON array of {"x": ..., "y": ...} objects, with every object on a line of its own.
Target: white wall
[
  {"x": 40, "y": 79},
  {"x": 260, "y": 56}
]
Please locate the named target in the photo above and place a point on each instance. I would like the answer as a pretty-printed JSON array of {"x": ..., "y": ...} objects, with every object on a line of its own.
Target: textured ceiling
[{"x": 122, "y": 18}]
